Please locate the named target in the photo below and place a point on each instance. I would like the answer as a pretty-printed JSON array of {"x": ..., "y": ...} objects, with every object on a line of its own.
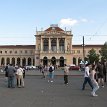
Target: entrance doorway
[
  {"x": 61, "y": 61},
  {"x": 45, "y": 61},
  {"x": 53, "y": 61}
]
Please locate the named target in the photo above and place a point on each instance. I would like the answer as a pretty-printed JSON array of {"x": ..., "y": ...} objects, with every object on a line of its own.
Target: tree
[
  {"x": 103, "y": 51},
  {"x": 92, "y": 56}
]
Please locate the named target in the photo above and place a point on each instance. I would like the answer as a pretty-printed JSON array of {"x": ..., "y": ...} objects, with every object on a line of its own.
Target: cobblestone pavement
[{"x": 41, "y": 93}]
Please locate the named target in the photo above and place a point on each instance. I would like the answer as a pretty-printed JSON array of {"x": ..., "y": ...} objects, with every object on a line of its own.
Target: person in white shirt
[
  {"x": 19, "y": 74},
  {"x": 87, "y": 77},
  {"x": 94, "y": 82}
]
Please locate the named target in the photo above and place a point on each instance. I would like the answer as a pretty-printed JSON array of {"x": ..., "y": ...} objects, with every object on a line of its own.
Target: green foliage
[
  {"x": 103, "y": 51},
  {"x": 92, "y": 56}
]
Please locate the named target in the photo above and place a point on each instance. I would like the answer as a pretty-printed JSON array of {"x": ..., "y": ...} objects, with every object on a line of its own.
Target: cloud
[
  {"x": 68, "y": 22},
  {"x": 84, "y": 20}
]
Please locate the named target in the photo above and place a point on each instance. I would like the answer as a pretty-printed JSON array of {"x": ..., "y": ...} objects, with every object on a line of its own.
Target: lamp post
[{"x": 83, "y": 50}]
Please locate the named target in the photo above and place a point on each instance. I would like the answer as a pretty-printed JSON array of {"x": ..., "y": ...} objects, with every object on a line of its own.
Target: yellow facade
[{"x": 53, "y": 46}]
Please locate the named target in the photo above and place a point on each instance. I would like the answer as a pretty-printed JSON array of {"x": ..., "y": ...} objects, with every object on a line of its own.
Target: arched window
[
  {"x": 61, "y": 61},
  {"x": 13, "y": 61},
  {"x": 45, "y": 45},
  {"x": 79, "y": 60},
  {"x": 61, "y": 45},
  {"x": 53, "y": 45},
  {"x": 29, "y": 61},
  {"x": 2, "y": 61},
  {"x": 23, "y": 61},
  {"x": 8, "y": 61},
  {"x": 53, "y": 61},
  {"x": 18, "y": 61},
  {"x": 45, "y": 61},
  {"x": 74, "y": 61}
]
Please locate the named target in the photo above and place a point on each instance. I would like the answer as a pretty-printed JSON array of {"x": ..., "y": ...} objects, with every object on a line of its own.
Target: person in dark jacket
[
  {"x": 11, "y": 76},
  {"x": 6, "y": 73},
  {"x": 100, "y": 74}
]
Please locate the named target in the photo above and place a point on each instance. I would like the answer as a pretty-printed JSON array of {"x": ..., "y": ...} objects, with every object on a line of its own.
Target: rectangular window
[
  {"x": 61, "y": 48},
  {"x": 21, "y": 51},
  {"x": 15, "y": 52},
  {"x": 78, "y": 51},
  {"x": 10, "y": 52},
  {"x": 53, "y": 48},
  {"x": 73, "y": 51},
  {"x": 31, "y": 51},
  {"x": 45, "y": 48},
  {"x": 25, "y": 51}
]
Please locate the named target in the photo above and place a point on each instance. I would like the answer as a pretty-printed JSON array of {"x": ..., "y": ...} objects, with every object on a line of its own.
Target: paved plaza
[{"x": 40, "y": 93}]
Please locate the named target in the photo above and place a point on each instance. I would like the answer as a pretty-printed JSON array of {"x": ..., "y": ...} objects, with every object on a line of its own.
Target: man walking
[
  {"x": 87, "y": 77},
  {"x": 66, "y": 72}
]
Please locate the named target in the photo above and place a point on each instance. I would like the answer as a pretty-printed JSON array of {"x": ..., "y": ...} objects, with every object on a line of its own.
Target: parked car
[
  {"x": 74, "y": 67},
  {"x": 30, "y": 67}
]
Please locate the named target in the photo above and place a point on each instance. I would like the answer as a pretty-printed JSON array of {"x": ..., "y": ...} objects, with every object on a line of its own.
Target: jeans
[
  {"x": 11, "y": 81},
  {"x": 96, "y": 87},
  {"x": 87, "y": 79}
]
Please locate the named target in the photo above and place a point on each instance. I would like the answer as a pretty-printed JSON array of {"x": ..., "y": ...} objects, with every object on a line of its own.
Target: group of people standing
[
  {"x": 15, "y": 76},
  {"x": 49, "y": 70},
  {"x": 95, "y": 75}
]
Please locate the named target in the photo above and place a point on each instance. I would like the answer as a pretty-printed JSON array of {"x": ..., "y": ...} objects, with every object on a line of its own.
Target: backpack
[{"x": 50, "y": 69}]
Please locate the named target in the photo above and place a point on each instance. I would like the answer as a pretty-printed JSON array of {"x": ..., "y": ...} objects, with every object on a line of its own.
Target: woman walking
[{"x": 94, "y": 82}]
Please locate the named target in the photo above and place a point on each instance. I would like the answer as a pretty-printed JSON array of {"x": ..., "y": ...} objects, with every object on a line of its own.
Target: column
[
  {"x": 26, "y": 61},
  {"x": 10, "y": 60},
  {"x": 31, "y": 61},
  {"x": 5, "y": 63},
  {"x": 76, "y": 60},
  {"x": 21, "y": 61},
  {"x": 41, "y": 45},
  {"x": 49, "y": 45},
  {"x": 15, "y": 61},
  {"x": 65, "y": 45},
  {"x": 57, "y": 45}
]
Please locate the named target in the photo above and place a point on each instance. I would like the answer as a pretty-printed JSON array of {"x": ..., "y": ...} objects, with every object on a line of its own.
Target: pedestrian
[
  {"x": 100, "y": 74},
  {"x": 45, "y": 69},
  {"x": 11, "y": 76},
  {"x": 40, "y": 68},
  {"x": 20, "y": 78},
  {"x": 66, "y": 72},
  {"x": 6, "y": 72},
  {"x": 87, "y": 77},
  {"x": 51, "y": 73},
  {"x": 43, "y": 72},
  {"x": 94, "y": 82}
]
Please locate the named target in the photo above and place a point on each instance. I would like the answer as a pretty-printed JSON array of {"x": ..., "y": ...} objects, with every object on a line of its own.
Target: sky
[{"x": 19, "y": 20}]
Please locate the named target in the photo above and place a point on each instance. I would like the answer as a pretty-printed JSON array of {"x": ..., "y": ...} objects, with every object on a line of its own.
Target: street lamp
[{"x": 83, "y": 50}]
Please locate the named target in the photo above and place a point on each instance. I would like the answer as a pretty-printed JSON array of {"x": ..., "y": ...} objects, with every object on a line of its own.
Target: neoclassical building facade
[
  {"x": 52, "y": 46},
  {"x": 17, "y": 54}
]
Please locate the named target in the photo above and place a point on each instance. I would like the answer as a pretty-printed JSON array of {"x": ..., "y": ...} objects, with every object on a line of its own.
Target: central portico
[{"x": 54, "y": 46}]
